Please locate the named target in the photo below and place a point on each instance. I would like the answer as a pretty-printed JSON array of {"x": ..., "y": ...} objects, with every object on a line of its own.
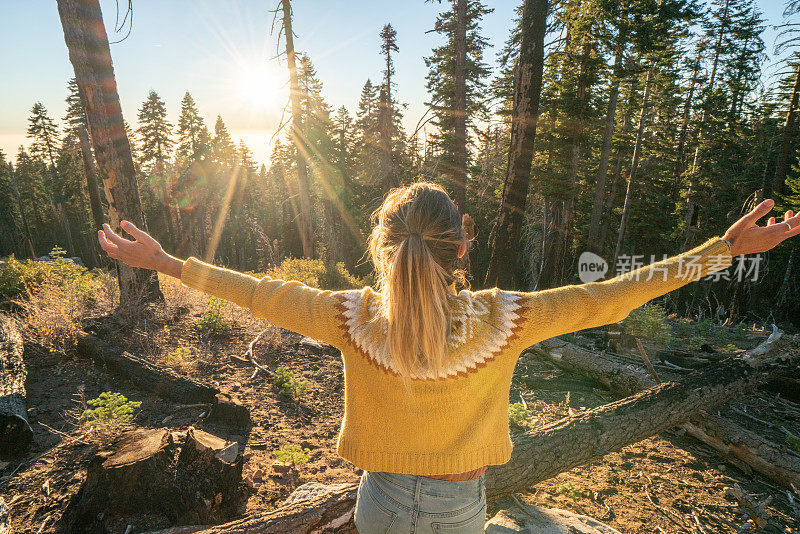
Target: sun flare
[{"x": 260, "y": 87}]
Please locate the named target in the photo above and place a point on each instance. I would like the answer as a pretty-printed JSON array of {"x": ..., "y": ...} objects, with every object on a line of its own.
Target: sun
[{"x": 260, "y": 87}]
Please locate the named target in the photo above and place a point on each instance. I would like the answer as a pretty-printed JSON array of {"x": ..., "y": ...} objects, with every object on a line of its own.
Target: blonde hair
[{"x": 414, "y": 246}]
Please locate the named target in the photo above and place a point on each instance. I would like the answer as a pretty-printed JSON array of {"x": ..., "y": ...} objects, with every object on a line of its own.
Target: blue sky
[{"x": 221, "y": 52}]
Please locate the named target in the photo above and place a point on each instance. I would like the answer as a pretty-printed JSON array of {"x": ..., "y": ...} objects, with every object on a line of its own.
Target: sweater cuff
[{"x": 219, "y": 282}]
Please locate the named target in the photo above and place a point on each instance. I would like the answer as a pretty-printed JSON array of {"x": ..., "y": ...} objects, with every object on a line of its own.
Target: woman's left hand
[{"x": 746, "y": 237}]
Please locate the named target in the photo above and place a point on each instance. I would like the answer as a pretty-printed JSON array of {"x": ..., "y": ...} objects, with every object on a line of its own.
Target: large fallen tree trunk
[
  {"x": 738, "y": 445},
  {"x": 15, "y": 431},
  {"x": 149, "y": 377},
  {"x": 542, "y": 453}
]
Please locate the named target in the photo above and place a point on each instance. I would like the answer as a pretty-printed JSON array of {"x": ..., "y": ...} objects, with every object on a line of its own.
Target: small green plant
[
  {"x": 292, "y": 454},
  {"x": 290, "y": 386},
  {"x": 109, "y": 410},
  {"x": 730, "y": 347},
  {"x": 648, "y": 322},
  {"x": 570, "y": 490},
  {"x": 519, "y": 416},
  {"x": 212, "y": 322},
  {"x": 180, "y": 358}
]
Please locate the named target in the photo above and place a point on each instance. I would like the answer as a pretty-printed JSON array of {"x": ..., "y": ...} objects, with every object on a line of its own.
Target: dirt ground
[{"x": 669, "y": 483}]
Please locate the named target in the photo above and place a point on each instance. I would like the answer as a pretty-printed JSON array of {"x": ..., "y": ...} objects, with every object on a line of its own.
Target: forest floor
[{"x": 668, "y": 483}]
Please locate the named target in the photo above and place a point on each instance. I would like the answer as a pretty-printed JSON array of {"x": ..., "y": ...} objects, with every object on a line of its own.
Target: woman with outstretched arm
[{"x": 428, "y": 369}]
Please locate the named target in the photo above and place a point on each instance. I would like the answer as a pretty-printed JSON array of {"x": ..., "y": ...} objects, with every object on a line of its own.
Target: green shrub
[
  {"x": 292, "y": 454},
  {"x": 17, "y": 278},
  {"x": 648, "y": 322},
  {"x": 109, "y": 410},
  {"x": 519, "y": 416},
  {"x": 212, "y": 322},
  {"x": 316, "y": 273},
  {"x": 290, "y": 386}
]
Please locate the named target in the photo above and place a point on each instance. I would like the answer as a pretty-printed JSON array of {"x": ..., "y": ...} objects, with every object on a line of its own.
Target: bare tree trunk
[
  {"x": 15, "y": 191},
  {"x": 605, "y": 150},
  {"x": 527, "y": 90},
  {"x": 779, "y": 181},
  {"x": 388, "y": 180},
  {"x": 460, "y": 105},
  {"x": 612, "y": 196},
  {"x": 687, "y": 110},
  {"x": 303, "y": 214},
  {"x": 637, "y": 151},
  {"x": 91, "y": 178},
  {"x": 90, "y": 55}
]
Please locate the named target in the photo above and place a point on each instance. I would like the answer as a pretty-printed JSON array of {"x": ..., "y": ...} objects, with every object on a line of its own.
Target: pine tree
[
  {"x": 155, "y": 134},
  {"x": 193, "y": 136},
  {"x": 456, "y": 83}
]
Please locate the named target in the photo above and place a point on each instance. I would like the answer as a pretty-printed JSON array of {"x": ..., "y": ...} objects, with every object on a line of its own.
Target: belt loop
[{"x": 417, "y": 489}]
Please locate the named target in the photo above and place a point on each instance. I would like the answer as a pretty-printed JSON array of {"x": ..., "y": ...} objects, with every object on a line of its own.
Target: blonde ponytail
[{"x": 414, "y": 246}]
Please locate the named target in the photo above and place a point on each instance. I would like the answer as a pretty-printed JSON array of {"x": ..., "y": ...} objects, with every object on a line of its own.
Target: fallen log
[
  {"x": 15, "y": 431},
  {"x": 542, "y": 453},
  {"x": 149, "y": 377},
  {"x": 737, "y": 445}
]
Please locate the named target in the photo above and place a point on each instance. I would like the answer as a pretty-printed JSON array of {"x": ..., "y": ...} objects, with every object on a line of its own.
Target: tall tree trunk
[
  {"x": 692, "y": 210},
  {"x": 15, "y": 192},
  {"x": 384, "y": 131},
  {"x": 687, "y": 110},
  {"x": 637, "y": 151},
  {"x": 91, "y": 178},
  {"x": 612, "y": 195},
  {"x": 460, "y": 105},
  {"x": 779, "y": 181},
  {"x": 527, "y": 90},
  {"x": 605, "y": 150},
  {"x": 305, "y": 227},
  {"x": 87, "y": 42}
]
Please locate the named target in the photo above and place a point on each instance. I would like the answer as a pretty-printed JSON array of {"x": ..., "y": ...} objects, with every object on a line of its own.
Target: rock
[
  {"x": 311, "y": 490},
  {"x": 312, "y": 343},
  {"x": 44, "y": 258},
  {"x": 76, "y": 260},
  {"x": 540, "y": 520}
]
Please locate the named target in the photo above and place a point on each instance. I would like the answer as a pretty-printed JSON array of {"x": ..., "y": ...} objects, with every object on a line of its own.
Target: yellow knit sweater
[{"x": 456, "y": 422}]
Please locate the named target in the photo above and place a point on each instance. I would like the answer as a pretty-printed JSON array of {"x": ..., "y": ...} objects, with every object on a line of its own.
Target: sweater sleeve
[
  {"x": 561, "y": 310},
  {"x": 288, "y": 304}
]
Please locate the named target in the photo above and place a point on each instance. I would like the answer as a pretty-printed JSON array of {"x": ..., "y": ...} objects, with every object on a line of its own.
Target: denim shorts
[{"x": 410, "y": 504}]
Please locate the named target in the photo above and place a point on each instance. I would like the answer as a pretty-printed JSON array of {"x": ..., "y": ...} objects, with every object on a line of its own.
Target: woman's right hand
[
  {"x": 746, "y": 237},
  {"x": 144, "y": 252}
]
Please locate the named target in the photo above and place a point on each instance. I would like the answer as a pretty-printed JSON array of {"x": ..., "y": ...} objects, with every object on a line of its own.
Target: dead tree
[
  {"x": 148, "y": 377},
  {"x": 527, "y": 90},
  {"x": 15, "y": 431},
  {"x": 89, "y": 53},
  {"x": 302, "y": 206}
]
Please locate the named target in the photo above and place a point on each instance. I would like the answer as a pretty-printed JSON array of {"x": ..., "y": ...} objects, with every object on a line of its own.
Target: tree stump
[
  {"x": 132, "y": 474},
  {"x": 15, "y": 431},
  {"x": 183, "y": 478},
  {"x": 209, "y": 475}
]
